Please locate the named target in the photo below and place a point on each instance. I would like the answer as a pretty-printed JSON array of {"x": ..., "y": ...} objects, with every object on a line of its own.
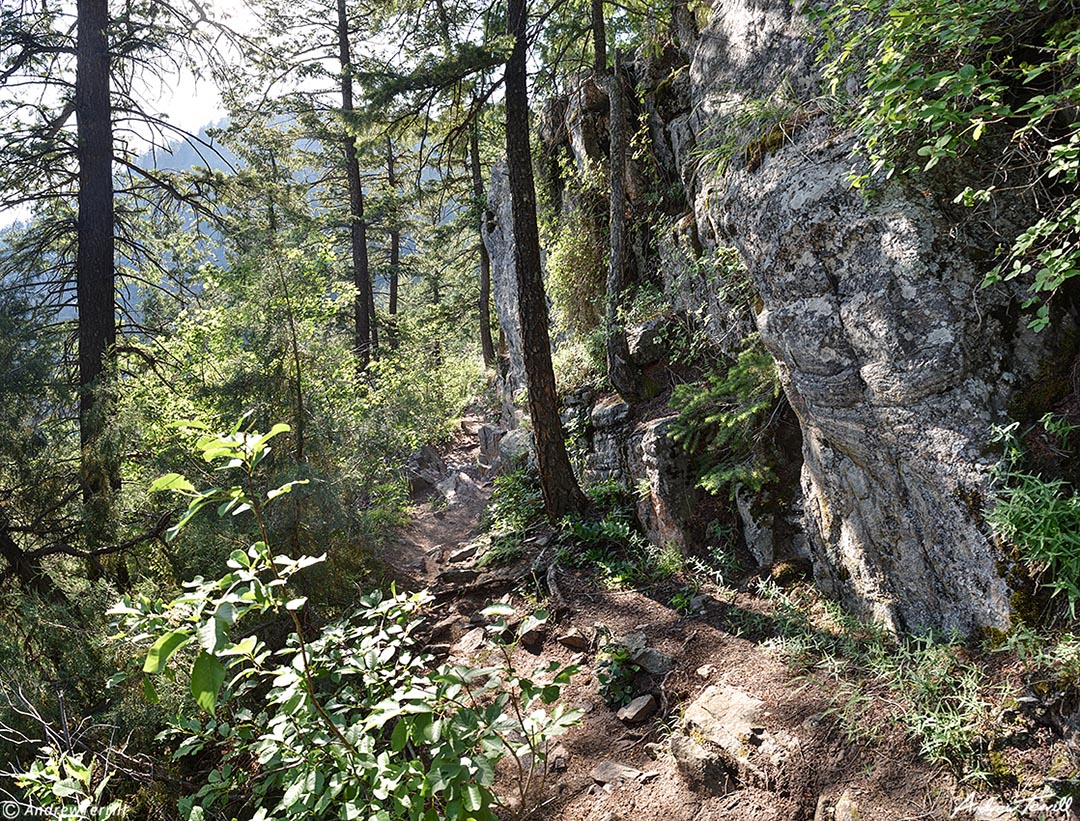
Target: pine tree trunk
[
  {"x": 94, "y": 262},
  {"x": 395, "y": 249},
  {"x": 486, "y": 344},
  {"x": 621, "y": 372},
  {"x": 562, "y": 494},
  {"x": 599, "y": 38},
  {"x": 357, "y": 226}
]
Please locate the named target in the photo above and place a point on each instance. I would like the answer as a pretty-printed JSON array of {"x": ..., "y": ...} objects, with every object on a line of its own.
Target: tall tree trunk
[
  {"x": 395, "y": 231},
  {"x": 621, "y": 372},
  {"x": 94, "y": 262},
  {"x": 599, "y": 38},
  {"x": 486, "y": 345},
  {"x": 357, "y": 226},
  {"x": 562, "y": 494},
  {"x": 395, "y": 246}
]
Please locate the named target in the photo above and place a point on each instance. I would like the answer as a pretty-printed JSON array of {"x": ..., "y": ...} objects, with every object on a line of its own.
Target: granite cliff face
[{"x": 894, "y": 359}]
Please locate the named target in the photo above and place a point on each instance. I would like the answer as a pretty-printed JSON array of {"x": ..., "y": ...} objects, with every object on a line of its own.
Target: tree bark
[
  {"x": 623, "y": 375},
  {"x": 395, "y": 232},
  {"x": 599, "y": 38},
  {"x": 560, "y": 488},
  {"x": 357, "y": 226},
  {"x": 395, "y": 248},
  {"x": 486, "y": 344},
  {"x": 94, "y": 261}
]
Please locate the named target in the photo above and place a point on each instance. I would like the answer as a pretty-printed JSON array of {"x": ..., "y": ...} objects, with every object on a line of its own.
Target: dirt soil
[
  {"x": 435, "y": 529},
  {"x": 826, "y": 775}
]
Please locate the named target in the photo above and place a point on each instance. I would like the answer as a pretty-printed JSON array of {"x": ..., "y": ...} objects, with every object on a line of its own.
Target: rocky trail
[{"x": 719, "y": 727}]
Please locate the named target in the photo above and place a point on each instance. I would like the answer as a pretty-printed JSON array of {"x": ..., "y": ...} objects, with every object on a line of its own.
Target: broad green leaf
[
  {"x": 171, "y": 481},
  {"x": 474, "y": 799},
  {"x": 207, "y": 676},
  {"x": 400, "y": 737},
  {"x": 285, "y": 488},
  {"x": 158, "y": 655},
  {"x": 188, "y": 423},
  {"x": 212, "y": 634}
]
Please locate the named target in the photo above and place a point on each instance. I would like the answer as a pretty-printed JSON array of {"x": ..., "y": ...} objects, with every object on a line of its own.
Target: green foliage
[
  {"x": 577, "y": 274},
  {"x": 934, "y": 79},
  {"x": 352, "y": 722},
  {"x": 647, "y": 301},
  {"x": 931, "y": 686},
  {"x": 719, "y": 567},
  {"x": 516, "y": 505},
  {"x": 271, "y": 336},
  {"x": 720, "y": 418},
  {"x": 667, "y": 560},
  {"x": 516, "y": 502},
  {"x": 579, "y": 362},
  {"x": 754, "y": 128},
  {"x": 64, "y": 785},
  {"x": 615, "y": 673},
  {"x": 683, "y": 601},
  {"x": 1039, "y": 517},
  {"x": 610, "y": 544}
]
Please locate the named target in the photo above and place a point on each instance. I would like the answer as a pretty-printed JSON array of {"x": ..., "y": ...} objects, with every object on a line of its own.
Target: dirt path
[
  {"x": 440, "y": 525},
  {"x": 795, "y": 760}
]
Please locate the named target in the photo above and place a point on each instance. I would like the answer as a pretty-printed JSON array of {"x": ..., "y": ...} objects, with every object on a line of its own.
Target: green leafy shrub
[
  {"x": 579, "y": 362},
  {"x": 516, "y": 502},
  {"x": 577, "y": 275},
  {"x": 1040, "y": 518},
  {"x": 683, "y": 601},
  {"x": 610, "y": 542},
  {"x": 615, "y": 673},
  {"x": 351, "y": 721},
  {"x": 516, "y": 505},
  {"x": 935, "y": 78},
  {"x": 65, "y": 785},
  {"x": 719, "y": 419}
]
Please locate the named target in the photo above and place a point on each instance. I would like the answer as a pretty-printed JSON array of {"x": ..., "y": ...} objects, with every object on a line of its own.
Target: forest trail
[
  {"x": 446, "y": 514},
  {"x": 612, "y": 767}
]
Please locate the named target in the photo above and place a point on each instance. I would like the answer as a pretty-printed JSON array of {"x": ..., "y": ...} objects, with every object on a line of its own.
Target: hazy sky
[{"x": 185, "y": 102}]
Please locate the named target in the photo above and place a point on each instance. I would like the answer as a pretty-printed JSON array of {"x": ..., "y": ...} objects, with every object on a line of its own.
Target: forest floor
[{"x": 820, "y": 768}]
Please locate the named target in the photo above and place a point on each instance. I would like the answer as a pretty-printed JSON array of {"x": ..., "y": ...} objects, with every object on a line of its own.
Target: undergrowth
[
  {"x": 720, "y": 417},
  {"x": 516, "y": 505},
  {"x": 927, "y": 684},
  {"x": 925, "y": 81},
  {"x": 1039, "y": 517}
]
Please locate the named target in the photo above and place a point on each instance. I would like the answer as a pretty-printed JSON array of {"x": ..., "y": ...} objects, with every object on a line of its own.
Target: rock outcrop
[
  {"x": 894, "y": 359},
  {"x": 499, "y": 239}
]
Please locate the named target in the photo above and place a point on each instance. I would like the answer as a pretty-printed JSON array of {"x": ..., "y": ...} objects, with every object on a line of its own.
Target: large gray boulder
[
  {"x": 659, "y": 472},
  {"x": 895, "y": 360}
]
